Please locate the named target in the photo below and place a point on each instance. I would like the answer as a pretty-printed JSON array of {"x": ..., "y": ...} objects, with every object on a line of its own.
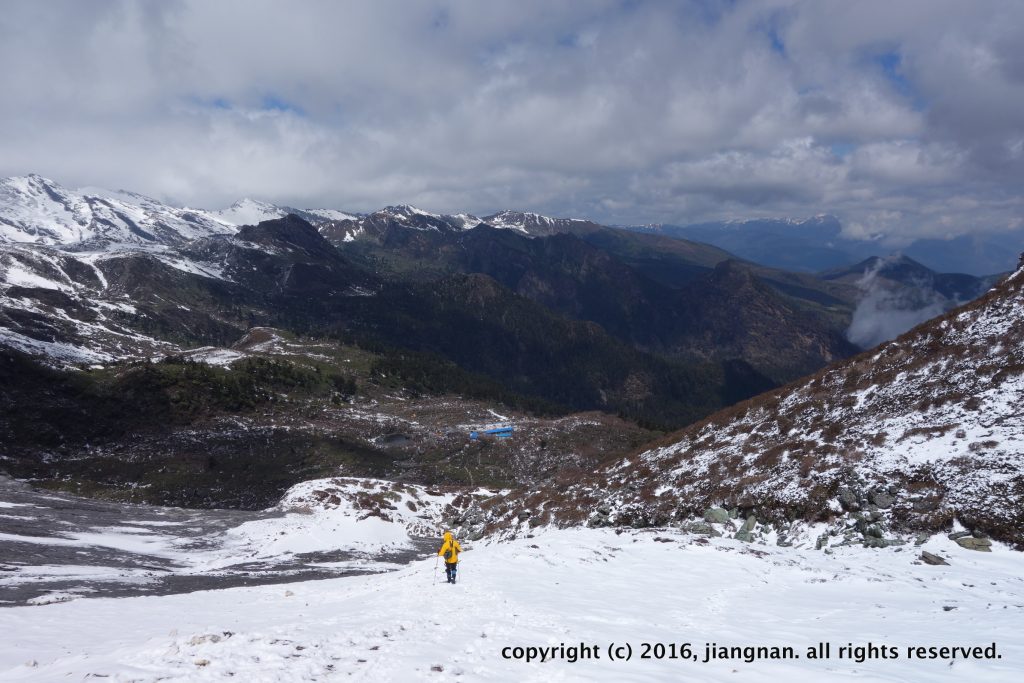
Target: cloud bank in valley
[{"x": 897, "y": 117}]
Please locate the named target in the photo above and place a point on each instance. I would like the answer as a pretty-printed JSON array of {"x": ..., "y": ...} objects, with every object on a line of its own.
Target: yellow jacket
[{"x": 452, "y": 546}]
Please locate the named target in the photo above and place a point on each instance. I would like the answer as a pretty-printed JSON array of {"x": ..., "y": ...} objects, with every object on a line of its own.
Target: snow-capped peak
[
  {"x": 407, "y": 210},
  {"x": 249, "y": 212}
]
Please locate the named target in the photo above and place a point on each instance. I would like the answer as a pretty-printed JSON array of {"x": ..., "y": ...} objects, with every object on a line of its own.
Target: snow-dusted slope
[
  {"x": 919, "y": 432},
  {"x": 377, "y": 224}
]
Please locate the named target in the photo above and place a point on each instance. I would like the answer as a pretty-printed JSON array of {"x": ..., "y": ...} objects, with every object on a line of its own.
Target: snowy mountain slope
[
  {"x": 115, "y": 301},
  {"x": 559, "y": 588},
  {"x": 104, "y": 304},
  {"x": 36, "y": 210},
  {"x": 915, "y": 434},
  {"x": 60, "y": 305}
]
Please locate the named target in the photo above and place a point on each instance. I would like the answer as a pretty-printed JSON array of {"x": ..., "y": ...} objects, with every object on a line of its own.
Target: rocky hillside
[{"x": 921, "y": 433}]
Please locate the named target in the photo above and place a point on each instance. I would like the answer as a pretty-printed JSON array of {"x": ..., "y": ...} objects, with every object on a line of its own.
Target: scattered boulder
[
  {"x": 882, "y": 499},
  {"x": 716, "y": 515},
  {"x": 746, "y": 531},
  {"x": 524, "y": 515},
  {"x": 932, "y": 558},
  {"x": 983, "y": 545},
  {"x": 848, "y": 499}
]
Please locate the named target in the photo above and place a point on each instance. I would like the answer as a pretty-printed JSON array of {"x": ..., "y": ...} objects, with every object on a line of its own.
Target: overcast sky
[{"x": 900, "y": 116}]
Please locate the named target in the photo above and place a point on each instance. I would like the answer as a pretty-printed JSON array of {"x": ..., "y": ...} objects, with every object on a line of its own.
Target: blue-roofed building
[{"x": 499, "y": 431}]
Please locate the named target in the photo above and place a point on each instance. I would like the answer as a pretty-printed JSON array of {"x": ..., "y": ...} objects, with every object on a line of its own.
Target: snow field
[{"x": 589, "y": 586}]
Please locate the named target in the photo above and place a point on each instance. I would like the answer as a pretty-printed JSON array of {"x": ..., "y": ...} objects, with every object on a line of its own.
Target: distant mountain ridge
[
  {"x": 37, "y": 210},
  {"x": 817, "y": 243},
  {"x": 93, "y": 276}
]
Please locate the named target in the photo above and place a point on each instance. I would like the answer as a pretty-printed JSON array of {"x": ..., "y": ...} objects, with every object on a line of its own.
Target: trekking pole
[{"x": 435, "y": 570}]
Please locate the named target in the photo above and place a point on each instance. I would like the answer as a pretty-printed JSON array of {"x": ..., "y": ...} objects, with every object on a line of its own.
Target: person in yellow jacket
[{"x": 450, "y": 550}]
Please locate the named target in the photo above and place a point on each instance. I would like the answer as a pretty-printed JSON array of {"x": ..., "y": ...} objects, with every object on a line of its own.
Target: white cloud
[{"x": 904, "y": 116}]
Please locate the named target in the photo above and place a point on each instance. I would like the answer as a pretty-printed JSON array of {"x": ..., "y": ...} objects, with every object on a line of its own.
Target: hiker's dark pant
[{"x": 449, "y": 570}]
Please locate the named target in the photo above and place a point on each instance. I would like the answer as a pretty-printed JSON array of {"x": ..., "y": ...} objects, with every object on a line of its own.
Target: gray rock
[
  {"x": 524, "y": 515},
  {"x": 848, "y": 499},
  {"x": 980, "y": 544},
  {"x": 874, "y": 531},
  {"x": 959, "y": 534},
  {"x": 744, "y": 535},
  {"x": 821, "y": 542},
  {"x": 882, "y": 499},
  {"x": 701, "y": 529},
  {"x": 932, "y": 558},
  {"x": 716, "y": 516},
  {"x": 749, "y": 524},
  {"x": 922, "y": 538}
]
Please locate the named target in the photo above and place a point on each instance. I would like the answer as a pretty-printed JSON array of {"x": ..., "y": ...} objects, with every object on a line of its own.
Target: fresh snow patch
[
  {"x": 356, "y": 515},
  {"x": 215, "y": 356}
]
